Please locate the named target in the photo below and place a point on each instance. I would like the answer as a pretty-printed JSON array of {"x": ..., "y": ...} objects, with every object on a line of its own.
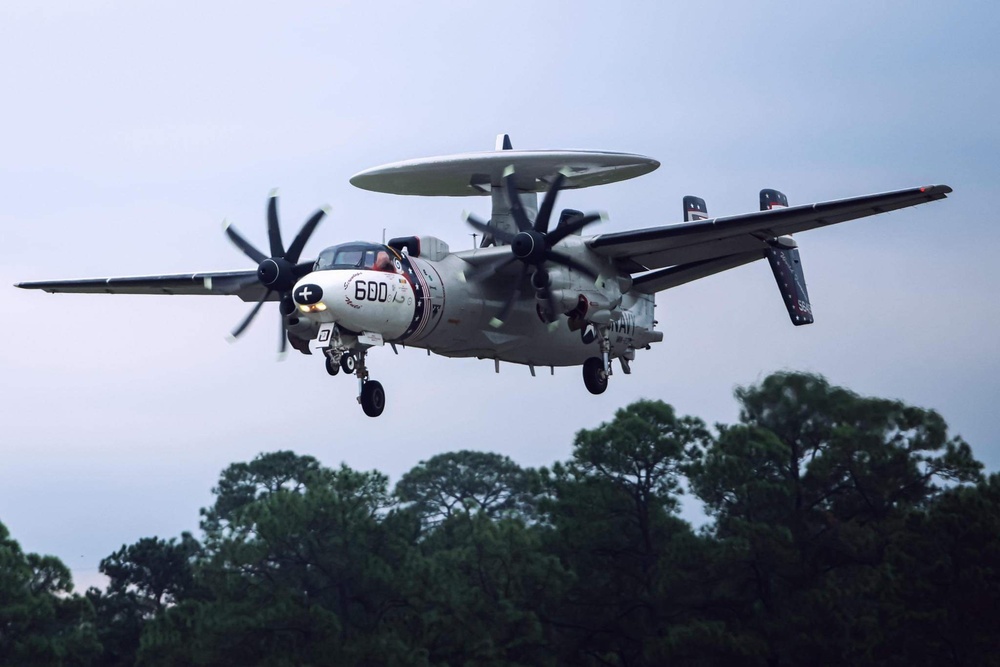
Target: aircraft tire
[
  {"x": 595, "y": 376},
  {"x": 348, "y": 363},
  {"x": 372, "y": 398}
]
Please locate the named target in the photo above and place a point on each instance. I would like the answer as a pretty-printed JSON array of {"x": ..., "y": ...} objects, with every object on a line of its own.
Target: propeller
[
  {"x": 532, "y": 245},
  {"x": 279, "y": 271}
]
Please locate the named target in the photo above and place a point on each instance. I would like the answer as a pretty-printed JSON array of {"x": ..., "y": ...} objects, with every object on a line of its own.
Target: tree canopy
[{"x": 839, "y": 529}]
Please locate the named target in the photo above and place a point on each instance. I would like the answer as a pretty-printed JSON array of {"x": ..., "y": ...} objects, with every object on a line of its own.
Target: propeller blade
[
  {"x": 489, "y": 268},
  {"x": 300, "y": 240},
  {"x": 572, "y": 226},
  {"x": 566, "y": 260},
  {"x": 514, "y": 199},
  {"x": 545, "y": 212},
  {"x": 242, "y": 243},
  {"x": 249, "y": 318},
  {"x": 283, "y": 342},
  {"x": 476, "y": 223},
  {"x": 286, "y": 306},
  {"x": 515, "y": 294},
  {"x": 273, "y": 230}
]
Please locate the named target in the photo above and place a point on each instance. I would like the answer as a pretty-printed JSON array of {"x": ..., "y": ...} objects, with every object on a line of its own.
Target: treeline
[{"x": 844, "y": 530}]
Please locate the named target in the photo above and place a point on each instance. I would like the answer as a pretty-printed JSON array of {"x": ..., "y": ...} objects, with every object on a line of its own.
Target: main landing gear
[
  {"x": 595, "y": 375},
  {"x": 596, "y": 370},
  {"x": 371, "y": 395}
]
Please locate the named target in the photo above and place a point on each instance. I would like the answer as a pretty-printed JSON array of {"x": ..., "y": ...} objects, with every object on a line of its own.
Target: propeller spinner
[
  {"x": 280, "y": 271},
  {"x": 532, "y": 245}
]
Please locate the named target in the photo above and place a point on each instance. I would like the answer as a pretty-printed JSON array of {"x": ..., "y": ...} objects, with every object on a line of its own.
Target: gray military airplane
[{"x": 531, "y": 293}]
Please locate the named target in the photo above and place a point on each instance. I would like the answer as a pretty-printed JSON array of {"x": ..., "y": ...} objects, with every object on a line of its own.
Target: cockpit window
[{"x": 353, "y": 256}]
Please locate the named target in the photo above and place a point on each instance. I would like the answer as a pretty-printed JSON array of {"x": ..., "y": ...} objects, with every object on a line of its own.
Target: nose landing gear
[{"x": 371, "y": 395}]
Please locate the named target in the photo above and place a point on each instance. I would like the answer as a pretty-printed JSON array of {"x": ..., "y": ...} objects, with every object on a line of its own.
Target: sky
[{"x": 129, "y": 131}]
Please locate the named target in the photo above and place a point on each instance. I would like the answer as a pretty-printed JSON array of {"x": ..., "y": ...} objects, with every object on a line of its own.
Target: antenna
[{"x": 474, "y": 237}]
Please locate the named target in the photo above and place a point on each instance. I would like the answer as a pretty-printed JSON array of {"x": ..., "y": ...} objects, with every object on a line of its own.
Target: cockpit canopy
[{"x": 357, "y": 255}]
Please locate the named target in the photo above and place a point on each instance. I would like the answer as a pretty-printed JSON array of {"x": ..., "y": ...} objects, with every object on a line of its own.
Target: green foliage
[
  {"x": 41, "y": 621},
  {"x": 808, "y": 494},
  {"x": 144, "y": 579},
  {"x": 468, "y": 481},
  {"x": 242, "y": 484},
  {"x": 843, "y": 530}
]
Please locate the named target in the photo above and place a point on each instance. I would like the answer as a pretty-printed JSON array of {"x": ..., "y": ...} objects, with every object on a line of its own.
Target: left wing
[
  {"x": 692, "y": 250},
  {"x": 243, "y": 284}
]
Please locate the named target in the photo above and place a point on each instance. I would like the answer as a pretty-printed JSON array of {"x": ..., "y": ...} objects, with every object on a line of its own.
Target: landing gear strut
[{"x": 332, "y": 366}]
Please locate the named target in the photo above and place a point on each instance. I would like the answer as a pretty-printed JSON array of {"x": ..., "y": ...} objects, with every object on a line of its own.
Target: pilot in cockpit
[{"x": 383, "y": 263}]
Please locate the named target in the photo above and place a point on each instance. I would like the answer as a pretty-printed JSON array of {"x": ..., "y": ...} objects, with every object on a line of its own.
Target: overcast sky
[{"x": 128, "y": 132}]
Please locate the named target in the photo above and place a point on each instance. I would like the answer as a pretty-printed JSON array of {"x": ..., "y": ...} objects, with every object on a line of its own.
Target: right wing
[
  {"x": 243, "y": 284},
  {"x": 691, "y": 250}
]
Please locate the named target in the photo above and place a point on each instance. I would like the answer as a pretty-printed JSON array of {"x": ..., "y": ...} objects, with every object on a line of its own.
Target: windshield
[{"x": 355, "y": 256}]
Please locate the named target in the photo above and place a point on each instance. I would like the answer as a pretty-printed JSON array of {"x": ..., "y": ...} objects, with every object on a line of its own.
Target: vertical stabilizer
[
  {"x": 694, "y": 209},
  {"x": 783, "y": 256},
  {"x": 500, "y": 216},
  {"x": 772, "y": 199}
]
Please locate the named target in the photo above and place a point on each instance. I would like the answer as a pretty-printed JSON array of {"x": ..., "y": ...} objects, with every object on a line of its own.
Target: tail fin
[
  {"x": 771, "y": 199},
  {"x": 783, "y": 256},
  {"x": 694, "y": 209}
]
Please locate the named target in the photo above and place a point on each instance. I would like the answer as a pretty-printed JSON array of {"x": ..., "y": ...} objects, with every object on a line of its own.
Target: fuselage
[{"x": 371, "y": 288}]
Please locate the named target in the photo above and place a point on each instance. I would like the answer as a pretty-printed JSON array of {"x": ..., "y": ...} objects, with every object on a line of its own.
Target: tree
[
  {"x": 941, "y": 601},
  {"x": 241, "y": 484},
  {"x": 468, "y": 481},
  {"x": 854, "y": 456},
  {"x": 481, "y": 592},
  {"x": 614, "y": 527},
  {"x": 145, "y": 578},
  {"x": 807, "y": 493},
  {"x": 303, "y": 573},
  {"x": 41, "y": 621}
]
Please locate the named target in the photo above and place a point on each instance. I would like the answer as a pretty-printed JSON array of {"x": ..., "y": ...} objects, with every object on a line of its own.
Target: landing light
[{"x": 313, "y": 308}]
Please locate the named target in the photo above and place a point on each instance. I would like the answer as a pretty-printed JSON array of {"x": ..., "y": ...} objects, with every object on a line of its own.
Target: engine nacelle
[
  {"x": 589, "y": 304},
  {"x": 300, "y": 326}
]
